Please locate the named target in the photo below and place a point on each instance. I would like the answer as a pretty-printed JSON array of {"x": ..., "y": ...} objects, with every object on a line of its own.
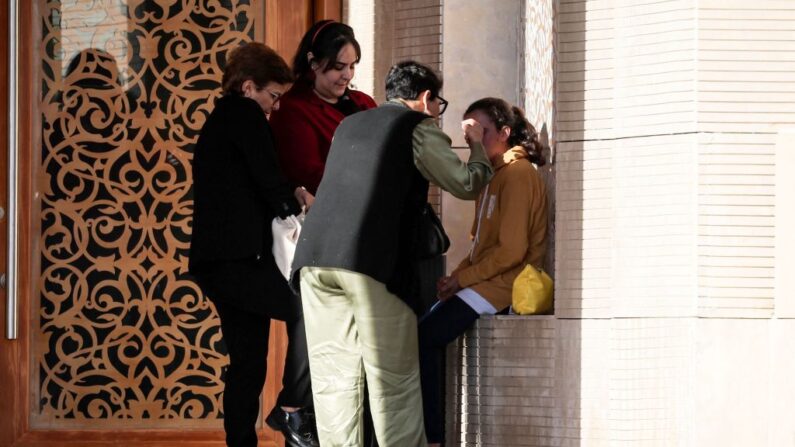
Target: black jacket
[
  {"x": 237, "y": 190},
  {"x": 237, "y": 185},
  {"x": 369, "y": 202}
]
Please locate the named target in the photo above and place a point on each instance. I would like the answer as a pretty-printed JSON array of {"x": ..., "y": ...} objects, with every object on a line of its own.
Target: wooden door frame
[
  {"x": 14, "y": 402},
  {"x": 295, "y": 15},
  {"x": 15, "y": 355}
]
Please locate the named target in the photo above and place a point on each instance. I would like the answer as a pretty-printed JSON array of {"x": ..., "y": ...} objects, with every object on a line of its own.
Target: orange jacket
[{"x": 509, "y": 230}]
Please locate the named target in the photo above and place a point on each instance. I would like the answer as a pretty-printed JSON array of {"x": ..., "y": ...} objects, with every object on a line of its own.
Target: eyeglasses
[
  {"x": 275, "y": 96},
  {"x": 442, "y": 105}
]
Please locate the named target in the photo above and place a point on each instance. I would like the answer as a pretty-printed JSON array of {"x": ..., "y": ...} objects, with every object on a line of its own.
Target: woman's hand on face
[
  {"x": 446, "y": 287},
  {"x": 473, "y": 131},
  {"x": 304, "y": 198}
]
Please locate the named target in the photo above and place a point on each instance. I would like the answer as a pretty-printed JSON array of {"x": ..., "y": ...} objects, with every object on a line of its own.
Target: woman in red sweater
[
  {"x": 318, "y": 101},
  {"x": 305, "y": 121}
]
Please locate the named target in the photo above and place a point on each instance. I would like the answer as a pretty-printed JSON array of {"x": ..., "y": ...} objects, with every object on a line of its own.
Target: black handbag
[{"x": 432, "y": 241}]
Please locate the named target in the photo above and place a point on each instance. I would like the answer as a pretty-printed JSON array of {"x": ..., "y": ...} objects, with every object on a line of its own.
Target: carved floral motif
[{"x": 124, "y": 333}]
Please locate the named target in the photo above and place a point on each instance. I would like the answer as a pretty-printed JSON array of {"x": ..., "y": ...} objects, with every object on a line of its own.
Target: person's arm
[
  {"x": 514, "y": 200},
  {"x": 436, "y": 161},
  {"x": 254, "y": 140}
]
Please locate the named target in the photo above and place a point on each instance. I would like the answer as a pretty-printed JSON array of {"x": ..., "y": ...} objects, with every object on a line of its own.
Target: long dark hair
[
  {"x": 324, "y": 40},
  {"x": 522, "y": 132}
]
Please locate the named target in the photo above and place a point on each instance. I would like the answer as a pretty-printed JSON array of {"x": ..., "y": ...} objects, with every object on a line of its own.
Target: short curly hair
[
  {"x": 407, "y": 79},
  {"x": 257, "y": 62}
]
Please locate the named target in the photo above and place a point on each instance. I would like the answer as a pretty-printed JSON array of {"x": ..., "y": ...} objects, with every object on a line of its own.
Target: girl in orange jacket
[{"x": 509, "y": 232}]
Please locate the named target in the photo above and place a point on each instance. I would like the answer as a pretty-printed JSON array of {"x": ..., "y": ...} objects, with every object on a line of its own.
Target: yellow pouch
[{"x": 532, "y": 292}]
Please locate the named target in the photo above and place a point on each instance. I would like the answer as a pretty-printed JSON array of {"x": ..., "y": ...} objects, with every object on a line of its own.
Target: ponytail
[{"x": 522, "y": 132}]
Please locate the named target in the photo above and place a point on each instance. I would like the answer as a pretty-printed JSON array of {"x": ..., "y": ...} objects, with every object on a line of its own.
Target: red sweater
[{"x": 303, "y": 127}]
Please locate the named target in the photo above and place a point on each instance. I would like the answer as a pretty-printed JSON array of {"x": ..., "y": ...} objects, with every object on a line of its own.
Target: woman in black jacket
[{"x": 238, "y": 190}]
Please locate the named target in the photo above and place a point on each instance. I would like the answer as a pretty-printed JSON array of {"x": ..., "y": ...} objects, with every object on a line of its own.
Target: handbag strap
[{"x": 476, "y": 239}]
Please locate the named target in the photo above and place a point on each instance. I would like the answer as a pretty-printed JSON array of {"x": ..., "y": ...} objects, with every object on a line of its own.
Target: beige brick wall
[
  {"x": 667, "y": 121},
  {"x": 736, "y": 224},
  {"x": 746, "y": 72},
  {"x": 784, "y": 284},
  {"x": 506, "y": 377},
  {"x": 626, "y": 68},
  {"x": 506, "y": 368},
  {"x": 545, "y": 381},
  {"x": 390, "y": 31},
  {"x": 418, "y": 31},
  {"x": 625, "y": 174},
  {"x": 475, "y": 67},
  {"x": 746, "y": 87},
  {"x": 674, "y": 294},
  {"x": 672, "y": 310}
]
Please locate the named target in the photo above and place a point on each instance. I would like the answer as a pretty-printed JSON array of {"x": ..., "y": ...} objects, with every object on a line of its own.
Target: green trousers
[{"x": 356, "y": 331}]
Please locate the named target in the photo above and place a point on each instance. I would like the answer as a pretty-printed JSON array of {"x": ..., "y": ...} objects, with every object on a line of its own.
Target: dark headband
[{"x": 322, "y": 27}]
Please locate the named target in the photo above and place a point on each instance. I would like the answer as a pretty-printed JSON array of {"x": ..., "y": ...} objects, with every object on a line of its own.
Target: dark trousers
[
  {"x": 437, "y": 328},
  {"x": 245, "y": 329},
  {"x": 246, "y": 338}
]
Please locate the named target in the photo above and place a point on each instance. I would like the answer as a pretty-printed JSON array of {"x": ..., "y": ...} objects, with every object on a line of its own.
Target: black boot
[{"x": 298, "y": 427}]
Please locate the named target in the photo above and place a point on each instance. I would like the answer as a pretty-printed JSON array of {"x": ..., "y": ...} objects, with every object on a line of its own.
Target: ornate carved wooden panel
[{"x": 124, "y": 335}]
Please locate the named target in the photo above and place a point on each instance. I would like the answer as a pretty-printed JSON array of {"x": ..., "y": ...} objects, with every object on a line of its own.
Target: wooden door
[{"x": 116, "y": 344}]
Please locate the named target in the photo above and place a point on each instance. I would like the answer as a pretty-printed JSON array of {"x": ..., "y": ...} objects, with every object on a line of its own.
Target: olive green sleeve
[{"x": 434, "y": 157}]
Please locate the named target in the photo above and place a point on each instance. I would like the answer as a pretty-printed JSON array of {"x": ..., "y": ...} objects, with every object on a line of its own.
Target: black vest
[{"x": 367, "y": 206}]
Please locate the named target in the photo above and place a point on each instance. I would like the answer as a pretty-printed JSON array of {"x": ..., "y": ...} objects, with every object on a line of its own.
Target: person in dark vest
[
  {"x": 356, "y": 258},
  {"x": 238, "y": 189}
]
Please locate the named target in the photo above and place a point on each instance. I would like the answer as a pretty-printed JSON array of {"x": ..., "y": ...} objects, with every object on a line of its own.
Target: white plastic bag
[{"x": 285, "y": 236}]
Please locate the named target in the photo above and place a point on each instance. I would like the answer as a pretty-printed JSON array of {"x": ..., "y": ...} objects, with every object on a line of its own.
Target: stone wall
[{"x": 671, "y": 128}]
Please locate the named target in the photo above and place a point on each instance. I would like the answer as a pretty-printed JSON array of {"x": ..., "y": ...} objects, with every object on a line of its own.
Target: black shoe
[{"x": 298, "y": 427}]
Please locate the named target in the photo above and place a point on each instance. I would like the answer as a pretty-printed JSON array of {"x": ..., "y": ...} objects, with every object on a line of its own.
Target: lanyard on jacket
[{"x": 480, "y": 217}]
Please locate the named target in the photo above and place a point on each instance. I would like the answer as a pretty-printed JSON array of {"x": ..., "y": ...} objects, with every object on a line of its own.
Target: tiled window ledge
[{"x": 500, "y": 376}]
